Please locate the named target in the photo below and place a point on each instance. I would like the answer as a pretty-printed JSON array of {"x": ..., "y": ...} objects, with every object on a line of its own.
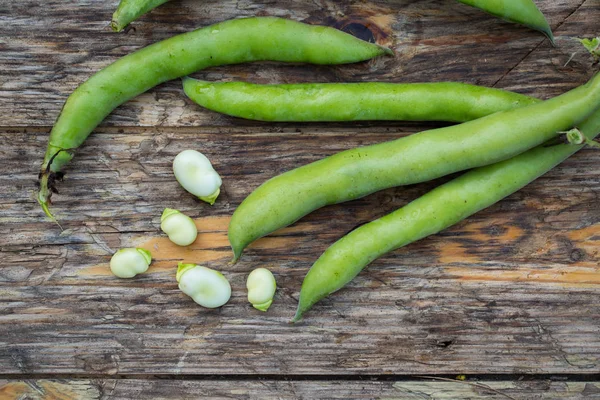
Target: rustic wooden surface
[
  {"x": 92, "y": 389},
  {"x": 512, "y": 291}
]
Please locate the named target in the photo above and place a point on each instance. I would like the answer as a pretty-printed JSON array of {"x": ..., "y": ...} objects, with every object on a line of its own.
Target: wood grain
[
  {"x": 434, "y": 41},
  {"x": 512, "y": 290},
  {"x": 283, "y": 390},
  {"x": 484, "y": 286}
]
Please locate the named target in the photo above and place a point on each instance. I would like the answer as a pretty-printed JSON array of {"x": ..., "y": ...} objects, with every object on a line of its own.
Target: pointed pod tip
[
  {"x": 387, "y": 51},
  {"x": 547, "y": 31},
  {"x": 237, "y": 253},
  {"x": 550, "y": 37},
  {"x": 297, "y": 317}
]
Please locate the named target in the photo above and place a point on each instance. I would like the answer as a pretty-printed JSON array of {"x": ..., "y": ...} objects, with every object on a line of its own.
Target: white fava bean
[
  {"x": 196, "y": 174},
  {"x": 261, "y": 286},
  {"x": 205, "y": 286},
  {"x": 180, "y": 228},
  {"x": 127, "y": 263}
]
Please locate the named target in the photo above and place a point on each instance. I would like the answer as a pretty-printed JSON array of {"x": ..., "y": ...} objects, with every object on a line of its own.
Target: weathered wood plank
[
  {"x": 531, "y": 75},
  {"x": 116, "y": 174},
  {"x": 434, "y": 40},
  {"x": 512, "y": 290},
  {"x": 388, "y": 322},
  {"x": 281, "y": 390}
]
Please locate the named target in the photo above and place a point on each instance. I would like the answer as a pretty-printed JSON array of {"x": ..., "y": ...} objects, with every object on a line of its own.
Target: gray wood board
[
  {"x": 514, "y": 289},
  {"x": 282, "y": 390}
]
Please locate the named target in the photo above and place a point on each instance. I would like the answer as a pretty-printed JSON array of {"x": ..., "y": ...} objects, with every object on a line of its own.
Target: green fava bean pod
[
  {"x": 358, "y": 172},
  {"x": 523, "y": 12},
  {"x": 445, "y": 101},
  {"x": 130, "y": 10},
  {"x": 230, "y": 42},
  {"x": 431, "y": 213}
]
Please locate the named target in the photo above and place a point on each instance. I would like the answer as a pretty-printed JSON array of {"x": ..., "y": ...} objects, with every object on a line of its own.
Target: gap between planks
[{"x": 589, "y": 377}]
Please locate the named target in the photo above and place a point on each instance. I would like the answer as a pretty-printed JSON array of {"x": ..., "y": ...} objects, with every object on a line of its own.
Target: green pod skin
[
  {"x": 310, "y": 102},
  {"x": 230, "y": 42},
  {"x": 523, "y": 12},
  {"x": 429, "y": 214},
  {"x": 355, "y": 173},
  {"x": 130, "y": 10}
]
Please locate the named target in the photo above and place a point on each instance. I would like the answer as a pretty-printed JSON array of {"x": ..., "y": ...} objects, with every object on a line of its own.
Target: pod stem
[
  {"x": 45, "y": 193},
  {"x": 576, "y": 137},
  {"x": 47, "y": 179},
  {"x": 592, "y": 144},
  {"x": 115, "y": 26}
]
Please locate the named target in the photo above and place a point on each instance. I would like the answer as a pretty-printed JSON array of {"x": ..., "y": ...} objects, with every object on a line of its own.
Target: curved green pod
[
  {"x": 523, "y": 12},
  {"x": 130, "y": 10},
  {"x": 230, "y": 42},
  {"x": 309, "y": 102},
  {"x": 355, "y": 173},
  {"x": 431, "y": 213}
]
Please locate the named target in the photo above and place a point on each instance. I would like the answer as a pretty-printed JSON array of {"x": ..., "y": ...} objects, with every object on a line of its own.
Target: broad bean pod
[
  {"x": 130, "y": 10},
  {"x": 355, "y": 173},
  {"x": 230, "y": 42},
  {"x": 523, "y": 12},
  {"x": 431, "y": 213},
  {"x": 309, "y": 102}
]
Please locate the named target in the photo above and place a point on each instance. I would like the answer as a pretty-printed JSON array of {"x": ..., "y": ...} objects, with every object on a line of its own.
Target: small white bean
[
  {"x": 261, "y": 286},
  {"x": 205, "y": 286},
  {"x": 196, "y": 174},
  {"x": 180, "y": 228},
  {"x": 127, "y": 263}
]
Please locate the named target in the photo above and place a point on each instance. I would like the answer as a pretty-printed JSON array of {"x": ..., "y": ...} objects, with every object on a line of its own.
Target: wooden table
[{"x": 510, "y": 298}]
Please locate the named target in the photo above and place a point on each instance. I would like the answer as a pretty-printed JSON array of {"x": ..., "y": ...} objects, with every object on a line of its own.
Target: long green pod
[
  {"x": 431, "y": 213},
  {"x": 309, "y": 102},
  {"x": 230, "y": 42},
  {"x": 130, "y": 10},
  {"x": 355, "y": 173},
  {"x": 523, "y": 12}
]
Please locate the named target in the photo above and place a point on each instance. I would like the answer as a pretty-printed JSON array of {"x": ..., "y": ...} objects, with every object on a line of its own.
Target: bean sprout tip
[{"x": 212, "y": 198}]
